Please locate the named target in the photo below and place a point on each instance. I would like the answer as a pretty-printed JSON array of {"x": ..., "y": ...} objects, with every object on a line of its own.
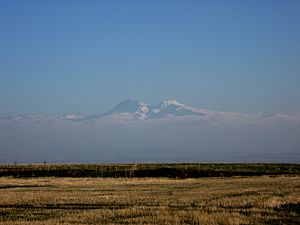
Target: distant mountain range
[
  {"x": 133, "y": 131},
  {"x": 134, "y": 110}
]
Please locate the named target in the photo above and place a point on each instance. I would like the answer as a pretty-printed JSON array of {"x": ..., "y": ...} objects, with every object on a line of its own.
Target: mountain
[
  {"x": 134, "y": 110},
  {"x": 141, "y": 111},
  {"x": 170, "y": 110},
  {"x": 134, "y": 131}
]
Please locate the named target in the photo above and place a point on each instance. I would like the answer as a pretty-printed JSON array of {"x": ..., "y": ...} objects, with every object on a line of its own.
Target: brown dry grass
[{"x": 252, "y": 200}]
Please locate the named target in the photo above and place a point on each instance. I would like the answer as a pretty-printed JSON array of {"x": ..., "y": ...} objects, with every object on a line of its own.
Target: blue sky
[{"x": 66, "y": 56}]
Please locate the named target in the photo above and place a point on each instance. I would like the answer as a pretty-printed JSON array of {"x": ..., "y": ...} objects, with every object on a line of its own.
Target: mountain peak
[{"x": 129, "y": 106}]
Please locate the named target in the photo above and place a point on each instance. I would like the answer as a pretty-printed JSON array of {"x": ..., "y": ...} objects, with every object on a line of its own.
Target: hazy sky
[{"x": 66, "y": 56}]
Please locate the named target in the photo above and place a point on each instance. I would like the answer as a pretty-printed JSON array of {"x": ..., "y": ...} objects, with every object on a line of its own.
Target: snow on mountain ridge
[
  {"x": 171, "y": 102},
  {"x": 174, "y": 103}
]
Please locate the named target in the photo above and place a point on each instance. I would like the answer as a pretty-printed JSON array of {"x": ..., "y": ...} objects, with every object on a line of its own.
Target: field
[{"x": 91, "y": 200}]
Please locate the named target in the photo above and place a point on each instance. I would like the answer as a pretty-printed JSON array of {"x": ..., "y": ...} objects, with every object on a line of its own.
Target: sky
[{"x": 59, "y": 57}]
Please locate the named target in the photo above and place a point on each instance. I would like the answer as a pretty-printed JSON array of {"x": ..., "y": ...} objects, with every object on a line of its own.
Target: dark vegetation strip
[
  {"x": 23, "y": 186},
  {"x": 67, "y": 206},
  {"x": 171, "y": 170}
]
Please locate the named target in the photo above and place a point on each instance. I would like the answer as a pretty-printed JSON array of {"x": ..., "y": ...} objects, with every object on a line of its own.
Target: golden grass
[{"x": 252, "y": 200}]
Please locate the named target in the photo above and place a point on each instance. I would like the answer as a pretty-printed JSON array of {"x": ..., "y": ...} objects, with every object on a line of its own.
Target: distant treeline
[{"x": 171, "y": 170}]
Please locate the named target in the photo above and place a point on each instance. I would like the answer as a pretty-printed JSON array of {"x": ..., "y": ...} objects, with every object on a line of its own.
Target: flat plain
[{"x": 89, "y": 200}]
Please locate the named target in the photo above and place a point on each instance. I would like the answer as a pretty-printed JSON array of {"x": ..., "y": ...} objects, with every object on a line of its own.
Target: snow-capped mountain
[
  {"x": 142, "y": 111},
  {"x": 134, "y": 110}
]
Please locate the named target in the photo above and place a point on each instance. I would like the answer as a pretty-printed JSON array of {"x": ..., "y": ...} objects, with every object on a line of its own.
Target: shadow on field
[
  {"x": 24, "y": 186},
  {"x": 67, "y": 206},
  {"x": 287, "y": 214}
]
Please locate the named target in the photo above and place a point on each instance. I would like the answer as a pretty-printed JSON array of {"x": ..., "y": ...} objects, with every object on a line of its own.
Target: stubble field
[{"x": 234, "y": 200}]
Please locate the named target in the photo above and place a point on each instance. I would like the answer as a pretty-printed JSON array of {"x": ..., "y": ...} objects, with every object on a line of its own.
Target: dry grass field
[{"x": 235, "y": 200}]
